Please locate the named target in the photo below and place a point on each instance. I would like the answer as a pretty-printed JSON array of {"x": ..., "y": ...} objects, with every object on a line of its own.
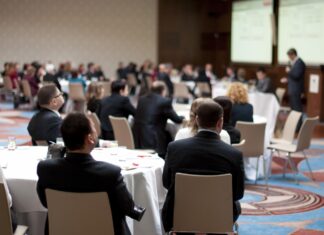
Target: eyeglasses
[{"x": 61, "y": 93}]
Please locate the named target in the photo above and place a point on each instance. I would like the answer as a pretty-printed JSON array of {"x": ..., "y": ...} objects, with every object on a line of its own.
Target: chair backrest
[
  {"x": 305, "y": 133},
  {"x": 240, "y": 146},
  {"x": 94, "y": 118},
  {"x": 26, "y": 88},
  {"x": 106, "y": 87},
  {"x": 76, "y": 92},
  {"x": 149, "y": 81},
  {"x": 5, "y": 219},
  {"x": 204, "y": 88},
  {"x": 280, "y": 92},
  {"x": 203, "y": 203},
  {"x": 78, "y": 213},
  {"x": 131, "y": 80},
  {"x": 7, "y": 83},
  {"x": 180, "y": 90},
  {"x": 122, "y": 132},
  {"x": 41, "y": 143},
  {"x": 289, "y": 129},
  {"x": 253, "y": 133}
]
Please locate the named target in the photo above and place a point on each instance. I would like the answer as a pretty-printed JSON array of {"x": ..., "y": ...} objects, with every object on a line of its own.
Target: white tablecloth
[{"x": 144, "y": 183}]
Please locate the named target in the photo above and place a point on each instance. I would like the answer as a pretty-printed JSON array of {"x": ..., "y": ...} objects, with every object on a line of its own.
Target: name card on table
[{"x": 314, "y": 83}]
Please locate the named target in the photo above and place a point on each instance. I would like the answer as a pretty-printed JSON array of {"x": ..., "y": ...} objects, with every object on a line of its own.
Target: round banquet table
[{"x": 142, "y": 174}]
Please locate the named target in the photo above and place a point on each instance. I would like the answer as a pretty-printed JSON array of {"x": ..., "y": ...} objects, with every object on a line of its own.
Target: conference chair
[
  {"x": 253, "y": 134},
  {"x": 27, "y": 92},
  {"x": 203, "y": 204},
  {"x": 181, "y": 91},
  {"x": 122, "y": 132},
  {"x": 240, "y": 146},
  {"x": 288, "y": 133},
  {"x": 303, "y": 143},
  {"x": 204, "y": 89},
  {"x": 131, "y": 82},
  {"x": 106, "y": 85},
  {"x": 79, "y": 213},
  {"x": 5, "y": 217},
  {"x": 76, "y": 94},
  {"x": 94, "y": 118},
  {"x": 280, "y": 93}
]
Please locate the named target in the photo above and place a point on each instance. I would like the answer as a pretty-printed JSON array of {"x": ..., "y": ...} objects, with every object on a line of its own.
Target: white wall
[{"x": 102, "y": 31}]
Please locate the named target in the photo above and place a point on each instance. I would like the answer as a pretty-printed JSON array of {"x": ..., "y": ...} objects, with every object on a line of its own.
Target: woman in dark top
[
  {"x": 241, "y": 110},
  {"x": 94, "y": 96},
  {"x": 227, "y": 105}
]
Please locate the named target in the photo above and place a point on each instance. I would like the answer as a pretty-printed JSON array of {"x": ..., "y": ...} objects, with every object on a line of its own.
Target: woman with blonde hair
[
  {"x": 241, "y": 110},
  {"x": 94, "y": 95},
  {"x": 192, "y": 128}
]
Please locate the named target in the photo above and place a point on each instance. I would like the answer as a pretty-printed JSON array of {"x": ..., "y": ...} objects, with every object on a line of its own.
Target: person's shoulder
[
  {"x": 45, "y": 165},
  {"x": 107, "y": 168}
]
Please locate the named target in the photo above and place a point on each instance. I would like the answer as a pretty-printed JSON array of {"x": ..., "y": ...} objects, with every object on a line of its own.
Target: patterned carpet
[{"x": 285, "y": 208}]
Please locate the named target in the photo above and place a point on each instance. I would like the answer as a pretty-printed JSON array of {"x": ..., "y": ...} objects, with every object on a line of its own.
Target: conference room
[{"x": 155, "y": 117}]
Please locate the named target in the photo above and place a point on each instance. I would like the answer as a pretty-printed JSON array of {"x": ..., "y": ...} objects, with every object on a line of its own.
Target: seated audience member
[
  {"x": 99, "y": 73},
  {"x": 153, "y": 111},
  {"x": 51, "y": 77},
  {"x": 117, "y": 105},
  {"x": 163, "y": 75},
  {"x": 241, "y": 110},
  {"x": 192, "y": 128},
  {"x": 75, "y": 78},
  {"x": 241, "y": 75},
  {"x": 187, "y": 73},
  {"x": 94, "y": 96},
  {"x": 203, "y": 153},
  {"x": 231, "y": 74},
  {"x": 13, "y": 75},
  {"x": 121, "y": 71},
  {"x": 209, "y": 72},
  {"x": 202, "y": 78},
  {"x": 32, "y": 80},
  {"x": 45, "y": 124},
  {"x": 91, "y": 72},
  {"x": 79, "y": 172},
  {"x": 226, "y": 104},
  {"x": 264, "y": 82}
]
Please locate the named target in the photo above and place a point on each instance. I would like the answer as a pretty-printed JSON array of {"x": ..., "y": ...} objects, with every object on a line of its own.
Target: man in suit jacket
[
  {"x": 151, "y": 116},
  {"x": 79, "y": 172},
  {"x": 296, "y": 74},
  {"x": 118, "y": 105},
  {"x": 45, "y": 124},
  {"x": 264, "y": 82},
  {"x": 204, "y": 153},
  {"x": 163, "y": 76}
]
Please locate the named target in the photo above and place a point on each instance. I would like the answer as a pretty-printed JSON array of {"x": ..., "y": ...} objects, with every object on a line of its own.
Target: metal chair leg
[
  {"x": 308, "y": 165},
  {"x": 265, "y": 172},
  {"x": 293, "y": 167},
  {"x": 285, "y": 168},
  {"x": 257, "y": 171}
]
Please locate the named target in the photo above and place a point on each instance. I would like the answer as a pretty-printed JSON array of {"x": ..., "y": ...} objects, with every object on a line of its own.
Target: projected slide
[
  {"x": 252, "y": 32},
  {"x": 301, "y": 26}
]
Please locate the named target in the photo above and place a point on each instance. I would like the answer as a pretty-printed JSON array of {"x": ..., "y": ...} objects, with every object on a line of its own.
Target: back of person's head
[
  {"x": 95, "y": 90},
  {"x": 237, "y": 93},
  {"x": 118, "y": 85},
  {"x": 74, "y": 129},
  {"x": 226, "y": 104},
  {"x": 292, "y": 51},
  {"x": 209, "y": 113},
  {"x": 75, "y": 73},
  {"x": 193, "y": 113},
  {"x": 46, "y": 94},
  {"x": 158, "y": 87}
]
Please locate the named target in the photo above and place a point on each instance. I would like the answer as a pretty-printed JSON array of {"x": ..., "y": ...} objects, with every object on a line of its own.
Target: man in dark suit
[
  {"x": 151, "y": 116},
  {"x": 204, "y": 153},
  {"x": 163, "y": 76},
  {"x": 296, "y": 73},
  {"x": 79, "y": 172},
  {"x": 118, "y": 105},
  {"x": 264, "y": 83},
  {"x": 45, "y": 124}
]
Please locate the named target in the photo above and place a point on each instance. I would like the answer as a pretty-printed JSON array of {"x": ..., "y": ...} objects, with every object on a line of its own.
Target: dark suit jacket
[
  {"x": 45, "y": 125},
  {"x": 241, "y": 112},
  {"x": 296, "y": 78},
  {"x": 114, "y": 105},
  {"x": 81, "y": 173},
  {"x": 52, "y": 78},
  {"x": 264, "y": 85},
  {"x": 164, "y": 77},
  {"x": 151, "y": 117},
  {"x": 200, "y": 154}
]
